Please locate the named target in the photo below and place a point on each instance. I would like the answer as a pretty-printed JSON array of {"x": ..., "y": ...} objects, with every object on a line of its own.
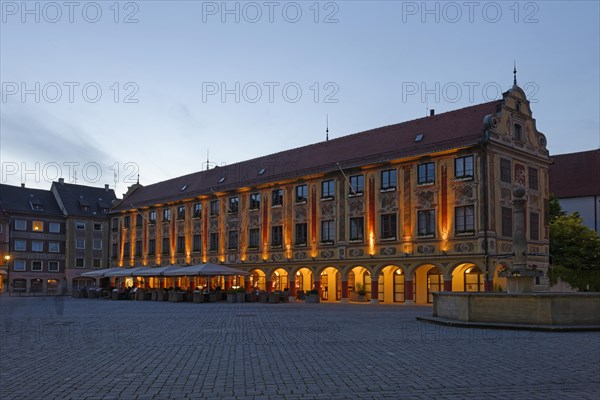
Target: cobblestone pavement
[{"x": 64, "y": 348}]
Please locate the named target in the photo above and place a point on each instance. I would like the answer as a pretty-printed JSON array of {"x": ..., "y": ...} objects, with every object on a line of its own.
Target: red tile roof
[
  {"x": 575, "y": 174},
  {"x": 448, "y": 130}
]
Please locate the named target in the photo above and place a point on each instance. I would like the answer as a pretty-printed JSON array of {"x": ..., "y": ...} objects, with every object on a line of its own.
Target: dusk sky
[{"x": 149, "y": 87}]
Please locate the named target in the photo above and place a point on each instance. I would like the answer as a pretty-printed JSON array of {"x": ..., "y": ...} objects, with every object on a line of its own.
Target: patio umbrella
[
  {"x": 128, "y": 272},
  {"x": 207, "y": 269},
  {"x": 158, "y": 271},
  {"x": 100, "y": 273}
]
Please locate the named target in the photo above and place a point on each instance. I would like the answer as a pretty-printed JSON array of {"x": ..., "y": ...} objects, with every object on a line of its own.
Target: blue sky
[{"x": 84, "y": 96}]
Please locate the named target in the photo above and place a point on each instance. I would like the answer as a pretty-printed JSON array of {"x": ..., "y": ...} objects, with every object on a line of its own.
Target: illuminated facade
[{"x": 403, "y": 210}]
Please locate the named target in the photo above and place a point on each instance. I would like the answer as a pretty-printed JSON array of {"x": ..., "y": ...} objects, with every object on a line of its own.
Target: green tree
[{"x": 575, "y": 250}]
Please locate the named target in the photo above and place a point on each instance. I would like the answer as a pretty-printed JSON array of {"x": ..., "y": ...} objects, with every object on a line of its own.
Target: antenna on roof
[
  {"x": 327, "y": 128},
  {"x": 138, "y": 179},
  {"x": 514, "y": 73},
  {"x": 207, "y": 161}
]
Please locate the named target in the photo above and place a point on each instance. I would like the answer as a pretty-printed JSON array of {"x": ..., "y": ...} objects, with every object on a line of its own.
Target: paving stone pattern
[{"x": 65, "y": 348}]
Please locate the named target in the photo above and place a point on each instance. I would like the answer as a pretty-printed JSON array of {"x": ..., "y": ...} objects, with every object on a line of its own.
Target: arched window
[
  {"x": 473, "y": 280},
  {"x": 435, "y": 283}
]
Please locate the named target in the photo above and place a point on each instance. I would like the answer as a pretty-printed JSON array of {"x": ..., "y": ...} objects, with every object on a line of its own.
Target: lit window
[{"x": 37, "y": 226}]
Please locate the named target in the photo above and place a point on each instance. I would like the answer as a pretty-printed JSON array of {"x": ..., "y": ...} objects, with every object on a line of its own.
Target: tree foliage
[{"x": 575, "y": 250}]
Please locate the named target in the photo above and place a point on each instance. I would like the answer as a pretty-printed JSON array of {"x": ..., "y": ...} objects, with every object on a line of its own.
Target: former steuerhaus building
[{"x": 403, "y": 210}]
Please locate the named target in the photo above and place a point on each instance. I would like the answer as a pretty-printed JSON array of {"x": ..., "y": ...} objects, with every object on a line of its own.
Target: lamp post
[{"x": 6, "y": 264}]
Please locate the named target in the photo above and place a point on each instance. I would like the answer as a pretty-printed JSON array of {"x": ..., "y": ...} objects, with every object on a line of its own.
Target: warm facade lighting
[{"x": 371, "y": 243}]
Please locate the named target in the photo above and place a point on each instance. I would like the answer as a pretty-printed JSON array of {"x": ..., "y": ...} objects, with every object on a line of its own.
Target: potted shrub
[
  {"x": 231, "y": 295},
  {"x": 274, "y": 297},
  {"x": 240, "y": 295},
  {"x": 312, "y": 296},
  {"x": 361, "y": 292}
]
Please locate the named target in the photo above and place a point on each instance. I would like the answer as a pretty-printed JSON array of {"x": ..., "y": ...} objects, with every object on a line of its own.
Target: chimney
[
  {"x": 431, "y": 112},
  {"x": 22, "y": 185},
  {"x": 106, "y": 187},
  {"x": 61, "y": 181}
]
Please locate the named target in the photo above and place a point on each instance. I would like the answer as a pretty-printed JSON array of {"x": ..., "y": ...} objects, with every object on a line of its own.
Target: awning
[
  {"x": 100, "y": 273},
  {"x": 207, "y": 269}
]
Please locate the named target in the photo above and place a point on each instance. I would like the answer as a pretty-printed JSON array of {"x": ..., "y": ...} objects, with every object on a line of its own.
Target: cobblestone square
[{"x": 64, "y": 348}]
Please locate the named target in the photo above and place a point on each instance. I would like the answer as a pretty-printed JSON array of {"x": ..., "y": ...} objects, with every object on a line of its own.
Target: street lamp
[{"x": 6, "y": 261}]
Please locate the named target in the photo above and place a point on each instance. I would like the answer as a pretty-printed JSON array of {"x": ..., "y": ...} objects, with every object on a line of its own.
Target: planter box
[
  {"x": 313, "y": 298},
  {"x": 240, "y": 297},
  {"x": 179, "y": 297},
  {"x": 189, "y": 297},
  {"x": 274, "y": 298},
  {"x": 139, "y": 294},
  {"x": 263, "y": 297},
  {"x": 231, "y": 297},
  {"x": 199, "y": 297},
  {"x": 212, "y": 297},
  {"x": 251, "y": 297},
  {"x": 114, "y": 295}
]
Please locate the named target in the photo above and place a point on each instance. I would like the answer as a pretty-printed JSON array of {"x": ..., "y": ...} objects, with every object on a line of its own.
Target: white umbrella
[
  {"x": 128, "y": 271},
  {"x": 158, "y": 271},
  {"x": 100, "y": 273},
  {"x": 207, "y": 269}
]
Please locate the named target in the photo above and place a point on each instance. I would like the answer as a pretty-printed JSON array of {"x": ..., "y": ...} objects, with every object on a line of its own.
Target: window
[
  {"x": 276, "y": 235},
  {"x": 138, "y": 248},
  {"x": 79, "y": 263},
  {"x": 463, "y": 167},
  {"x": 97, "y": 244},
  {"x": 126, "y": 250},
  {"x": 20, "y": 245},
  {"x": 113, "y": 250},
  {"x": 20, "y": 225},
  {"x": 277, "y": 198},
  {"x": 327, "y": 232},
  {"x": 52, "y": 266},
  {"x": 533, "y": 178},
  {"x": 214, "y": 241},
  {"x": 97, "y": 263},
  {"x": 97, "y": 227},
  {"x": 426, "y": 173},
  {"x": 357, "y": 184},
  {"x": 464, "y": 219},
  {"x": 19, "y": 265},
  {"x": 254, "y": 238},
  {"x": 507, "y": 221},
  {"x": 197, "y": 243},
  {"x": 37, "y": 226},
  {"x": 138, "y": 219},
  {"x": 255, "y": 201},
  {"x": 151, "y": 247},
  {"x": 301, "y": 193},
  {"x": 152, "y": 217},
  {"x": 357, "y": 229},
  {"x": 301, "y": 234},
  {"x": 214, "y": 207},
  {"x": 180, "y": 244},
  {"x": 534, "y": 226},
  {"x": 126, "y": 222},
  {"x": 234, "y": 205},
  {"x": 197, "y": 210},
  {"x": 166, "y": 214},
  {"x": 181, "y": 212},
  {"x": 36, "y": 266},
  {"x": 166, "y": 246},
  {"x": 115, "y": 224},
  {"x": 388, "y": 226},
  {"x": 80, "y": 243},
  {"x": 518, "y": 133},
  {"x": 388, "y": 179},
  {"x": 232, "y": 240},
  {"x": 37, "y": 246},
  {"x": 328, "y": 189},
  {"x": 505, "y": 170},
  {"x": 54, "y": 227},
  {"x": 54, "y": 247},
  {"x": 426, "y": 223}
]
